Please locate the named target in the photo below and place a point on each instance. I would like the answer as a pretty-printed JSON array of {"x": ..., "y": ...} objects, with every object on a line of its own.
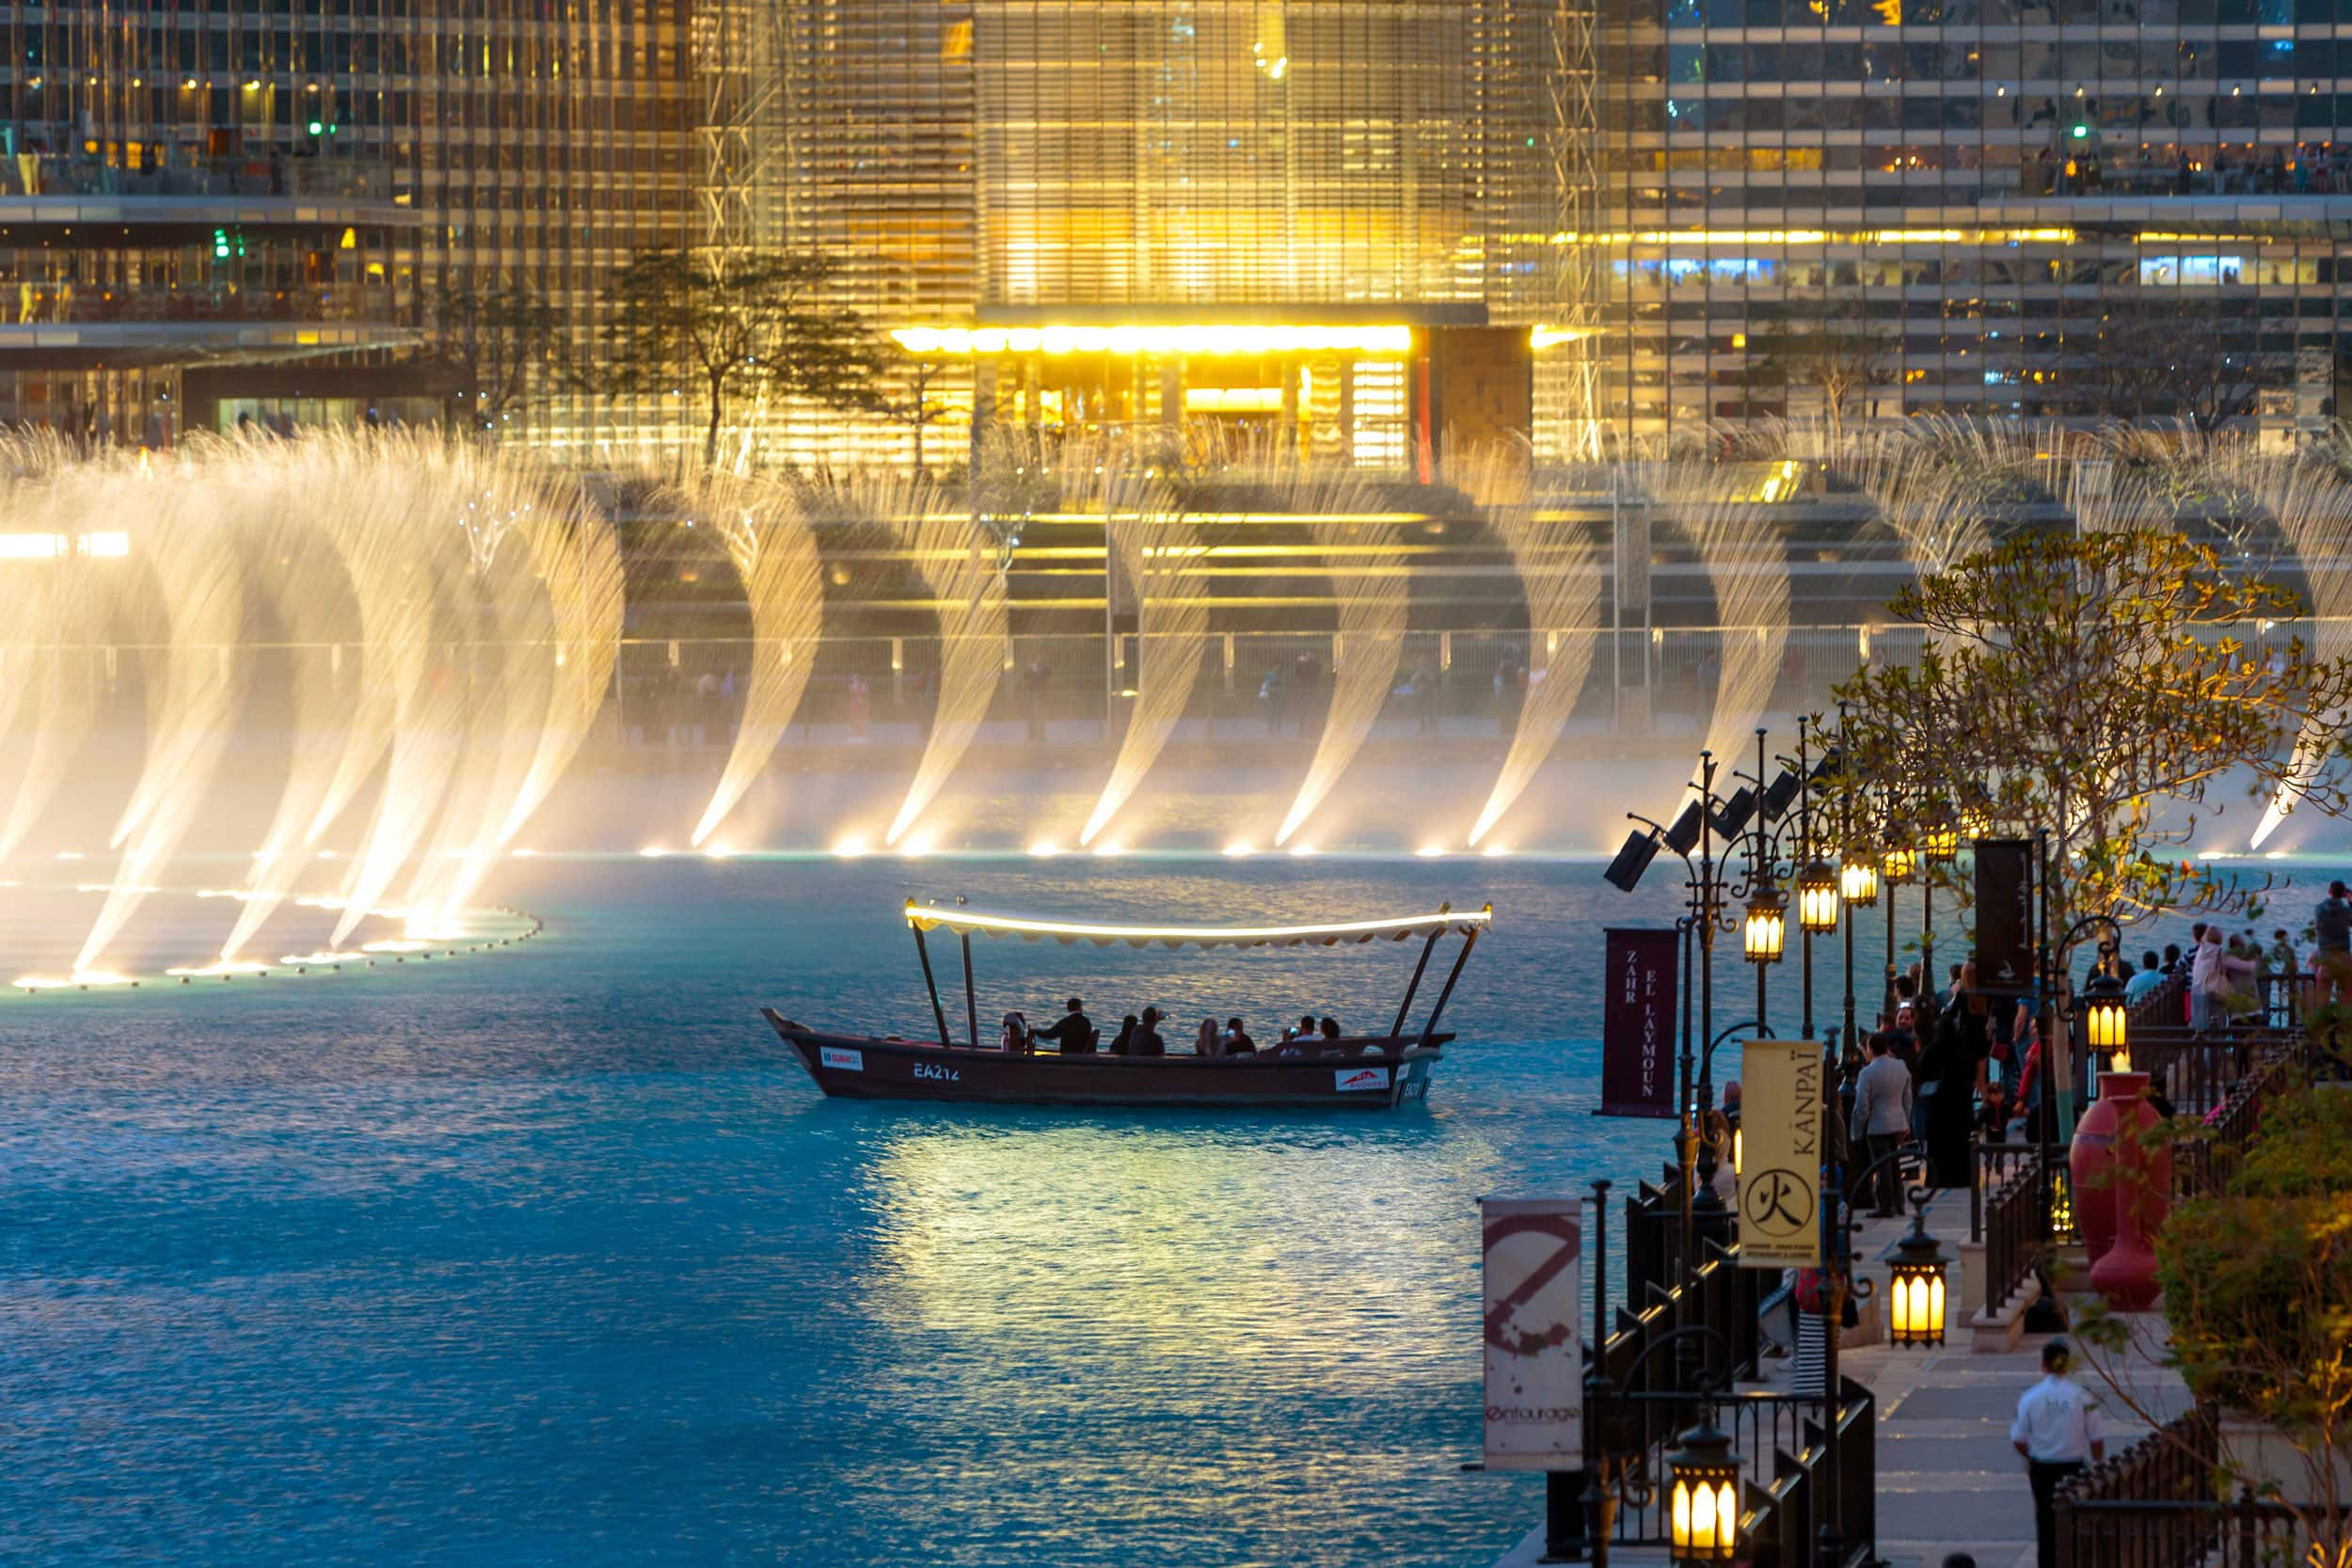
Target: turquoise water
[{"x": 552, "y": 1255}]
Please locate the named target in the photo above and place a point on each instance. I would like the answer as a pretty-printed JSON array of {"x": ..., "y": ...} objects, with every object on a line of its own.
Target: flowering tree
[{"x": 2094, "y": 686}]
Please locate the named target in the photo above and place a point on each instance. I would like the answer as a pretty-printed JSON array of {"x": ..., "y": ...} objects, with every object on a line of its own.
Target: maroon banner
[
  {"x": 1637, "y": 1024},
  {"x": 2005, "y": 933}
]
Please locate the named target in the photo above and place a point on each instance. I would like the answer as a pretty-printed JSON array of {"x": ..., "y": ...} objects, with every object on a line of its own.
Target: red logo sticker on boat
[
  {"x": 1360, "y": 1078},
  {"x": 847, "y": 1061}
]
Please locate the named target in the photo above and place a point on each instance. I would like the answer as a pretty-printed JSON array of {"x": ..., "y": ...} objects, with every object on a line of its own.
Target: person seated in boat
[
  {"x": 1329, "y": 1033},
  {"x": 1306, "y": 1027},
  {"x": 1147, "y": 1041},
  {"x": 1210, "y": 1041},
  {"x": 1015, "y": 1039},
  {"x": 1073, "y": 1034},
  {"x": 1237, "y": 1040},
  {"x": 1124, "y": 1043}
]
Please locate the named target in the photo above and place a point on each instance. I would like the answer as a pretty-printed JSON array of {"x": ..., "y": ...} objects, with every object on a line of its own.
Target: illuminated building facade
[
  {"x": 2014, "y": 208},
  {"x": 239, "y": 210},
  {"x": 1305, "y": 219}
]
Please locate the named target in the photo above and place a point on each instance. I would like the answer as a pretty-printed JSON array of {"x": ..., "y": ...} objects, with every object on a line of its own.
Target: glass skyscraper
[
  {"x": 1282, "y": 204},
  {"x": 248, "y": 209},
  {"x": 2063, "y": 209}
]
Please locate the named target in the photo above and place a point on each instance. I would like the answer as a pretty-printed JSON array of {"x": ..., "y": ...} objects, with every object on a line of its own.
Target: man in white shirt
[{"x": 2058, "y": 1431}]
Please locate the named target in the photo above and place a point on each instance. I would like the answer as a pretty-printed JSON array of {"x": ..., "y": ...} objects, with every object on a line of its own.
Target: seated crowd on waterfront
[{"x": 1074, "y": 1033}]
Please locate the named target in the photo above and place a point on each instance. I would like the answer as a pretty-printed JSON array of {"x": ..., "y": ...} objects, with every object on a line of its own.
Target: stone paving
[{"x": 1948, "y": 1478}]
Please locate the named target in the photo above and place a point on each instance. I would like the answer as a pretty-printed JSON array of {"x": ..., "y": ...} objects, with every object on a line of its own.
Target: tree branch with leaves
[
  {"x": 734, "y": 325},
  {"x": 2089, "y": 686}
]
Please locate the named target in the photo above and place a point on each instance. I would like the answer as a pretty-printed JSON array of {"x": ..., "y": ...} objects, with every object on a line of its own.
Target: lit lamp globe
[
  {"x": 1943, "y": 841},
  {"x": 1817, "y": 898},
  {"x": 1858, "y": 883},
  {"x": 1914, "y": 1316},
  {"x": 1704, "y": 1505},
  {"x": 1899, "y": 864},
  {"x": 2105, "y": 1021},
  {"x": 1766, "y": 927}
]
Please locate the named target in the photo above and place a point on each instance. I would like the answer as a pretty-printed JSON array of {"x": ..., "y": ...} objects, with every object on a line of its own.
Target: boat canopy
[{"x": 963, "y": 922}]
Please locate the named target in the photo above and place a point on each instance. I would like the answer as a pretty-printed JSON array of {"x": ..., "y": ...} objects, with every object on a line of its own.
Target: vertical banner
[
  {"x": 1781, "y": 1107},
  {"x": 2005, "y": 944},
  {"x": 1535, "y": 1343},
  {"x": 1637, "y": 1024}
]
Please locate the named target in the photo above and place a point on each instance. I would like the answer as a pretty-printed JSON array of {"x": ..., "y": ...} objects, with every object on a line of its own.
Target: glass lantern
[
  {"x": 2105, "y": 1021},
  {"x": 1766, "y": 927},
  {"x": 1703, "y": 1511},
  {"x": 1899, "y": 864},
  {"x": 1914, "y": 1315},
  {"x": 1816, "y": 897},
  {"x": 1858, "y": 883}
]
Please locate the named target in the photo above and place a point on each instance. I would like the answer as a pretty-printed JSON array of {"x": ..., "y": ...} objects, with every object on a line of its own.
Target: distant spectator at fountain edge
[
  {"x": 2151, "y": 976},
  {"x": 2331, "y": 934},
  {"x": 2205, "y": 983}
]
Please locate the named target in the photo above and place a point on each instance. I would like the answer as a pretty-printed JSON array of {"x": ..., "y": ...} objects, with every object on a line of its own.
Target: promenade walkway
[{"x": 1948, "y": 1478}]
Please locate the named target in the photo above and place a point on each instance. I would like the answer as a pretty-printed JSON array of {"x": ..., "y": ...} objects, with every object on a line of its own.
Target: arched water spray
[
  {"x": 1157, "y": 550},
  {"x": 966, "y": 584},
  {"x": 315, "y": 609},
  {"x": 420, "y": 649},
  {"x": 57, "y": 603},
  {"x": 1374, "y": 594},
  {"x": 579, "y": 561},
  {"x": 2312, "y": 505},
  {"x": 1561, "y": 577},
  {"x": 1737, "y": 538},
  {"x": 775, "y": 556},
  {"x": 193, "y": 563}
]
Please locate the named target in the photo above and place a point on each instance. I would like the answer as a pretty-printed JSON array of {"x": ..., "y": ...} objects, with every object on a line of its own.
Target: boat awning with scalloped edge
[{"x": 931, "y": 917}]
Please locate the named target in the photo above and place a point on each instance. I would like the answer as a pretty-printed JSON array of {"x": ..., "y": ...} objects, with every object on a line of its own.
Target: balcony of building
[
  {"x": 64, "y": 326},
  {"x": 90, "y": 201}
]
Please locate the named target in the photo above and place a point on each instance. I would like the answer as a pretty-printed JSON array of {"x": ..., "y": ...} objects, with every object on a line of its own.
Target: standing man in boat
[{"x": 1073, "y": 1034}]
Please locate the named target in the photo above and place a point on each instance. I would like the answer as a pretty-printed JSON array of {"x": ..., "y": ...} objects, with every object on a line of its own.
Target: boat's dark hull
[{"x": 1356, "y": 1075}]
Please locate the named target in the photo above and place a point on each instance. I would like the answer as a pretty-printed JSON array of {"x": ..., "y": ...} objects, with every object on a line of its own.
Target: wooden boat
[{"x": 1354, "y": 1073}]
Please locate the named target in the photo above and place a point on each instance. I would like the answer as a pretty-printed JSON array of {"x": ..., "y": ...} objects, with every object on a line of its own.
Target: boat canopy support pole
[
  {"x": 971, "y": 1002},
  {"x": 1470, "y": 939},
  {"x": 1419, "y": 970},
  {"x": 938, "y": 1012}
]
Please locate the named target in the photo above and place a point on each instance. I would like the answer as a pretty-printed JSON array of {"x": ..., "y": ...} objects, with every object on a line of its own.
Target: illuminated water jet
[
  {"x": 1561, "y": 580},
  {"x": 1373, "y": 592},
  {"x": 775, "y": 555},
  {"x": 1154, "y": 551}
]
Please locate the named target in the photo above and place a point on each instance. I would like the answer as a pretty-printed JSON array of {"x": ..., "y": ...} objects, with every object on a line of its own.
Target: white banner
[
  {"x": 1780, "y": 1154},
  {"x": 1535, "y": 1340}
]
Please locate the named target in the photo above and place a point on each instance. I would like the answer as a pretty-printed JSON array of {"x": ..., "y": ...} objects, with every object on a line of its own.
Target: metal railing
[
  {"x": 2204, "y": 1162},
  {"x": 2017, "y": 1229},
  {"x": 1784, "y": 1515},
  {"x": 2155, "y": 1505}
]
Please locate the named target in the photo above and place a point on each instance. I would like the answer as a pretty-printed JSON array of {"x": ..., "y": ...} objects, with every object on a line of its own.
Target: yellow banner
[{"x": 1781, "y": 1085}]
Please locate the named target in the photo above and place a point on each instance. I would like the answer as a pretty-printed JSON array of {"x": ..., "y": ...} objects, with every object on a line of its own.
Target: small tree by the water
[
  {"x": 2082, "y": 685},
  {"x": 732, "y": 326}
]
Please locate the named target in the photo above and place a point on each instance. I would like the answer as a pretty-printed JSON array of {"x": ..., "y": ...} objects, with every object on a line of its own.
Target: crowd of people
[
  {"x": 1944, "y": 1067},
  {"x": 1075, "y": 1034}
]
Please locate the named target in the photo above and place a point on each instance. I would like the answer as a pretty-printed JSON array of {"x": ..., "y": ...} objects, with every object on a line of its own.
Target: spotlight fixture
[
  {"x": 1734, "y": 814},
  {"x": 1683, "y": 836},
  {"x": 1784, "y": 789},
  {"x": 1625, "y": 872}
]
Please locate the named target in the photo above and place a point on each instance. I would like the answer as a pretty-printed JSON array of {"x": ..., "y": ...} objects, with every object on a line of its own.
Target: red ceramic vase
[
  {"x": 2136, "y": 1193},
  {"x": 2092, "y": 1155}
]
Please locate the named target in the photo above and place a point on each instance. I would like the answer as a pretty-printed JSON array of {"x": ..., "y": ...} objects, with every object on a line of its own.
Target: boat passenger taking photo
[
  {"x": 1237, "y": 1040},
  {"x": 1072, "y": 1032}
]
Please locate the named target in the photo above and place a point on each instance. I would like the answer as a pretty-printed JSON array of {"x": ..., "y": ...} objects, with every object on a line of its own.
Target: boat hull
[{"x": 1353, "y": 1075}]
